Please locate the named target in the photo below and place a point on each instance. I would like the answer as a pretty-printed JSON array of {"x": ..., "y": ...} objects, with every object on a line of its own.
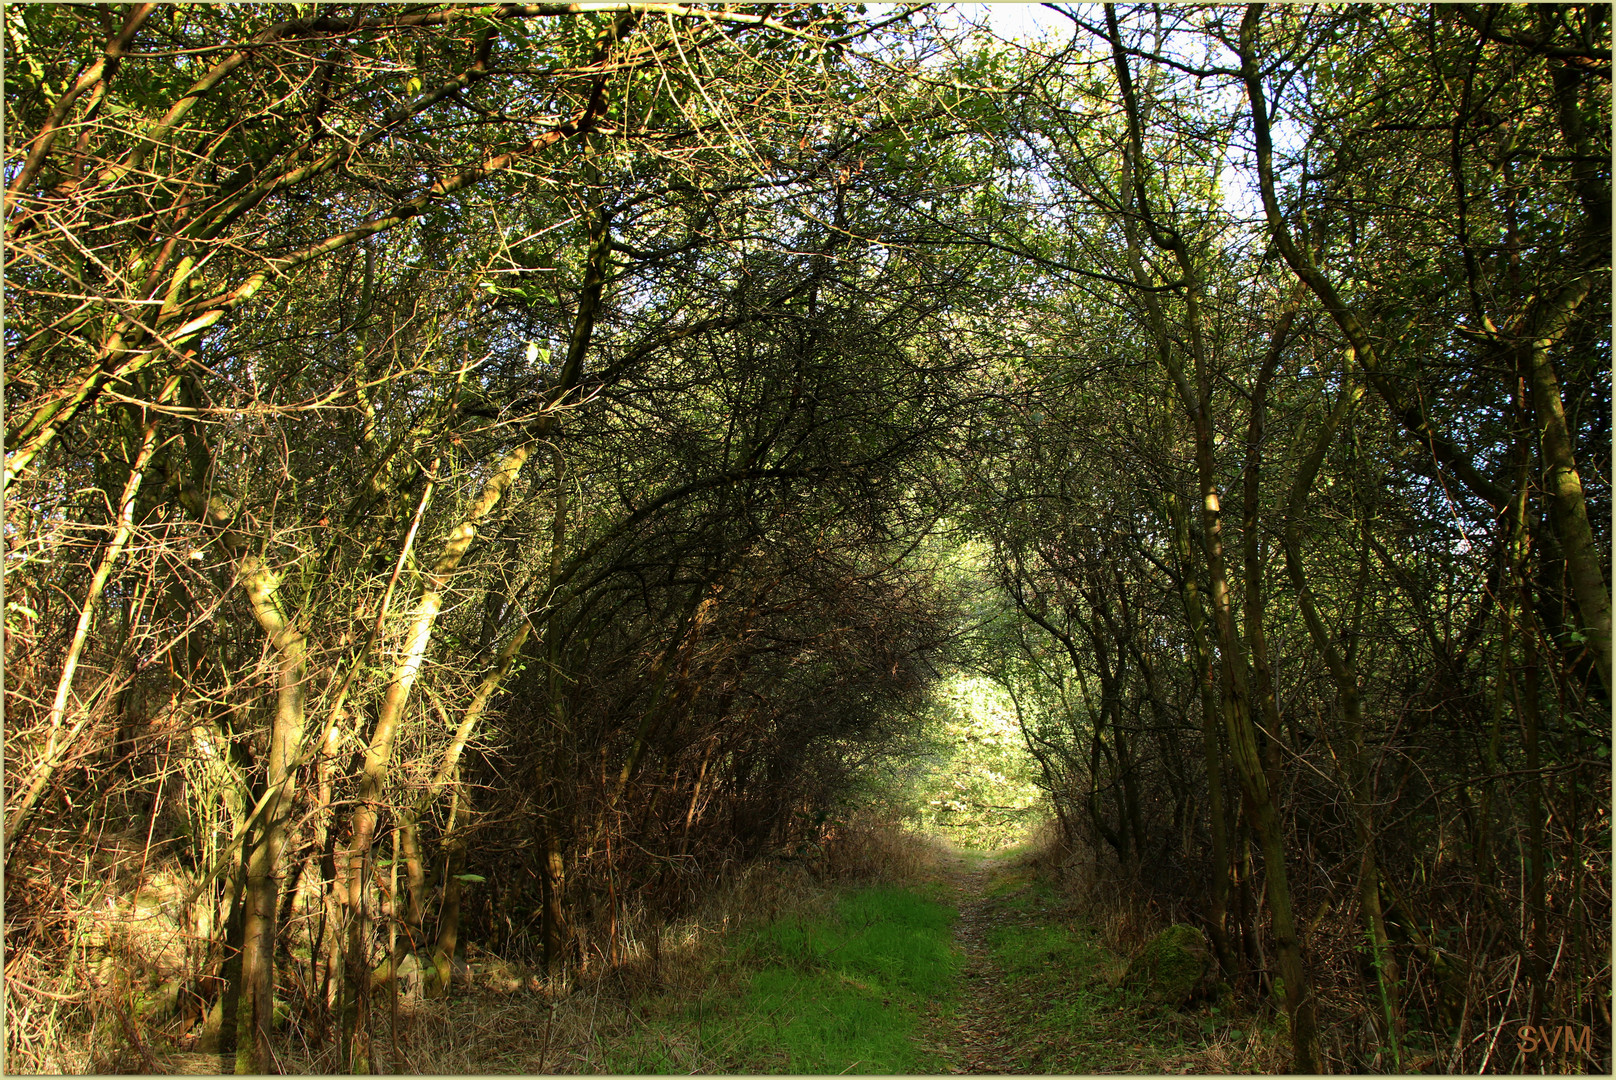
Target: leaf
[{"x": 475, "y": 879}]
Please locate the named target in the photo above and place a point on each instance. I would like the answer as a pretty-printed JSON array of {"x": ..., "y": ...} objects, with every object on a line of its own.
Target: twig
[
  {"x": 544, "y": 1047},
  {"x": 1498, "y": 1030},
  {"x": 12, "y": 980},
  {"x": 593, "y": 1012},
  {"x": 128, "y": 1025}
]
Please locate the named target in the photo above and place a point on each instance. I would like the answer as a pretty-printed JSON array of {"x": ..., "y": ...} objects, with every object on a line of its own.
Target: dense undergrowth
[
  {"x": 719, "y": 990},
  {"x": 685, "y": 993}
]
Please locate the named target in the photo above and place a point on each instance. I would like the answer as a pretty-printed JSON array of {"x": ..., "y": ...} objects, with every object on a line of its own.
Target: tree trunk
[
  {"x": 1211, "y": 751},
  {"x": 378, "y": 755},
  {"x": 256, "y": 1001},
  {"x": 454, "y": 862},
  {"x": 1237, "y": 693},
  {"x": 1568, "y": 508},
  {"x": 1251, "y": 537},
  {"x": 1343, "y": 670}
]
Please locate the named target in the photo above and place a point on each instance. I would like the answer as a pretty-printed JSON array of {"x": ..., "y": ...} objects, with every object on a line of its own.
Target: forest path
[{"x": 978, "y": 1038}]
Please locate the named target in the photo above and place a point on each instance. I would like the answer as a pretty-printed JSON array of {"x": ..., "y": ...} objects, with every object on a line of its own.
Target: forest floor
[
  {"x": 975, "y": 965},
  {"x": 940, "y": 961}
]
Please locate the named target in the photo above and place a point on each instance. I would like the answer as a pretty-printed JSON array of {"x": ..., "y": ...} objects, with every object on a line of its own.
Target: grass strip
[{"x": 843, "y": 993}]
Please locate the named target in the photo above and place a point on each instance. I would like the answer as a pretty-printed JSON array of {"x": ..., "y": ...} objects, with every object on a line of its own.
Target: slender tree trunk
[
  {"x": 547, "y": 778},
  {"x": 1242, "y": 734},
  {"x": 1526, "y": 710},
  {"x": 553, "y": 876},
  {"x": 1253, "y": 958},
  {"x": 409, "y": 828},
  {"x": 1568, "y": 508},
  {"x": 1237, "y": 692},
  {"x": 56, "y": 745},
  {"x": 454, "y": 862},
  {"x": 256, "y": 1003},
  {"x": 378, "y": 755},
  {"x": 1098, "y": 753},
  {"x": 1513, "y": 547},
  {"x": 409, "y": 850},
  {"x": 1343, "y": 670},
  {"x": 1124, "y": 788},
  {"x": 1545, "y": 324},
  {"x": 1255, "y": 594},
  {"x": 1211, "y": 750},
  {"x": 1196, "y": 400},
  {"x": 1536, "y": 847}
]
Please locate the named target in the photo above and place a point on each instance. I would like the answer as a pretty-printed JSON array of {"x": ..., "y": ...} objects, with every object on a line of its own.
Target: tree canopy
[{"x": 470, "y": 466}]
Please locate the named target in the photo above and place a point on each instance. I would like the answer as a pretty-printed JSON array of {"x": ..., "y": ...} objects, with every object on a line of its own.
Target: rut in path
[{"x": 982, "y": 1040}]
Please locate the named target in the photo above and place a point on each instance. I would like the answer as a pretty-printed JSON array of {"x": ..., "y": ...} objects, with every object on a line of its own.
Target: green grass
[
  {"x": 1058, "y": 982},
  {"x": 839, "y": 994},
  {"x": 1063, "y": 995},
  {"x": 867, "y": 984}
]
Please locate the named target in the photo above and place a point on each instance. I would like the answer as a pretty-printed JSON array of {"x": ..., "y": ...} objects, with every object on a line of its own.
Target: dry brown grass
[
  {"x": 880, "y": 851},
  {"x": 97, "y": 951}
]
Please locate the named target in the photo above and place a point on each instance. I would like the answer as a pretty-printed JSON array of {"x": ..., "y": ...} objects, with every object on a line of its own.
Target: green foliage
[{"x": 977, "y": 784}]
